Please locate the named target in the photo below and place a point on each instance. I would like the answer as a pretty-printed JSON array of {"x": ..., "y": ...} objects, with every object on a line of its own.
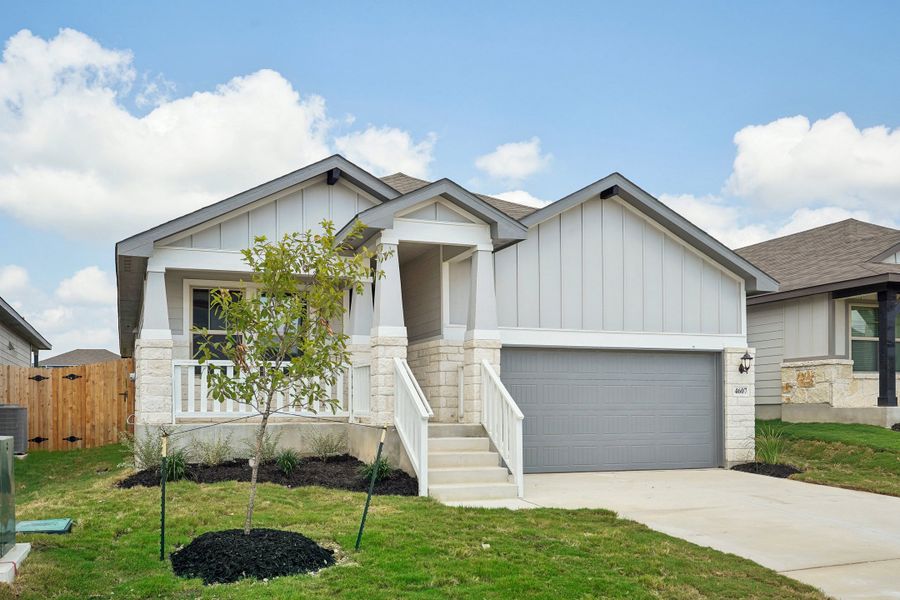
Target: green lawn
[
  {"x": 858, "y": 457},
  {"x": 413, "y": 546}
]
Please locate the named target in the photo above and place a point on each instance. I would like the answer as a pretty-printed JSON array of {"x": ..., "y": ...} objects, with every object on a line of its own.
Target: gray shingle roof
[
  {"x": 81, "y": 356},
  {"x": 831, "y": 254},
  {"x": 404, "y": 184}
]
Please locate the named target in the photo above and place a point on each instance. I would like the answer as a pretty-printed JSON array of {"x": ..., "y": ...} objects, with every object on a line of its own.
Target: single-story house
[
  {"x": 79, "y": 357},
  {"x": 826, "y": 340},
  {"x": 20, "y": 342},
  {"x": 600, "y": 332}
]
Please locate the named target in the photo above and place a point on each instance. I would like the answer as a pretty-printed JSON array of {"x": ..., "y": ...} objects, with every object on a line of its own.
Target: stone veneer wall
[
  {"x": 435, "y": 364},
  {"x": 474, "y": 351},
  {"x": 739, "y": 400},
  {"x": 828, "y": 381},
  {"x": 381, "y": 387},
  {"x": 153, "y": 381}
]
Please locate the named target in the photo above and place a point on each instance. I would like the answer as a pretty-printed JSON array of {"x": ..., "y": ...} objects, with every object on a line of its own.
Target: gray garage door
[{"x": 602, "y": 410}]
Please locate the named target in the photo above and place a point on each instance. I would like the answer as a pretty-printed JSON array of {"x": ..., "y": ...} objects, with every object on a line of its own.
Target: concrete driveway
[{"x": 846, "y": 543}]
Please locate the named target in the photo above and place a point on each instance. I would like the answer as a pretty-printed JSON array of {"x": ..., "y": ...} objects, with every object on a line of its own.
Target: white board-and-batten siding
[
  {"x": 601, "y": 266},
  {"x": 295, "y": 211}
]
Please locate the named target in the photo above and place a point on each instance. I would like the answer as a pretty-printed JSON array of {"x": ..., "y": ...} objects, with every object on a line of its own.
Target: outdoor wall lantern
[{"x": 746, "y": 359}]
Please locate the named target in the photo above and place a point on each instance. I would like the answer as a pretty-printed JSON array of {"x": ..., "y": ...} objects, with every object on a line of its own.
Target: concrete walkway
[{"x": 843, "y": 542}]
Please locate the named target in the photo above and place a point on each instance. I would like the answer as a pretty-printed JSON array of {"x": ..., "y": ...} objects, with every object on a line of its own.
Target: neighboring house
[
  {"x": 616, "y": 326},
  {"x": 20, "y": 343},
  {"x": 79, "y": 357},
  {"x": 826, "y": 341}
]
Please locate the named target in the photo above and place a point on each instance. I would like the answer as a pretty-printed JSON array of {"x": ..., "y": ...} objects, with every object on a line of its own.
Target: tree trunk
[{"x": 260, "y": 436}]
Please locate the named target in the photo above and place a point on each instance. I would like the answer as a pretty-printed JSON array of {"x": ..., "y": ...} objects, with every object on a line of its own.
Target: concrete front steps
[{"x": 462, "y": 466}]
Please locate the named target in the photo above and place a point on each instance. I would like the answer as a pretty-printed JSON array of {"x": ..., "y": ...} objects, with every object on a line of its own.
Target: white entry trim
[{"x": 572, "y": 338}]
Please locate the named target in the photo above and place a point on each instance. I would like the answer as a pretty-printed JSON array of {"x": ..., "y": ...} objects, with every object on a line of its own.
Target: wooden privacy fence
[{"x": 72, "y": 407}]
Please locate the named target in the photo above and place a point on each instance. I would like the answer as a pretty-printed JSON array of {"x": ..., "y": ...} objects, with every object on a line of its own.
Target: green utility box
[{"x": 7, "y": 496}]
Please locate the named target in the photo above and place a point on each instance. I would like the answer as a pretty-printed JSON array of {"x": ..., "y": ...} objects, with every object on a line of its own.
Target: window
[
  {"x": 864, "y": 338},
  {"x": 206, "y": 316}
]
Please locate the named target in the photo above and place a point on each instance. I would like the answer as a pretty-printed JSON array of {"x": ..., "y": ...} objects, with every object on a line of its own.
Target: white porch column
[
  {"x": 388, "y": 333},
  {"x": 482, "y": 340},
  {"x": 359, "y": 325},
  {"x": 739, "y": 400},
  {"x": 153, "y": 356}
]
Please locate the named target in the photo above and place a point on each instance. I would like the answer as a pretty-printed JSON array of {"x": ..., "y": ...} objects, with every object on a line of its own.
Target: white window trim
[{"x": 852, "y": 337}]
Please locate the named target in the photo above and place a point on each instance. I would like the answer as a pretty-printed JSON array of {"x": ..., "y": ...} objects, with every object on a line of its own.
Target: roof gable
[
  {"x": 616, "y": 184},
  {"x": 504, "y": 228},
  {"x": 335, "y": 166}
]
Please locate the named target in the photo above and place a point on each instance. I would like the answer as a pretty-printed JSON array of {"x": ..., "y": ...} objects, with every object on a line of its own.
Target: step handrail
[
  {"x": 411, "y": 414},
  {"x": 502, "y": 420}
]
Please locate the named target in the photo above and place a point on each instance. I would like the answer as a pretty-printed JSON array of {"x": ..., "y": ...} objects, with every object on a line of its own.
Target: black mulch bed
[
  {"x": 337, "y": 472},
  {"x": 228, "y": 556},
  {"x": 781, "y": 471}
]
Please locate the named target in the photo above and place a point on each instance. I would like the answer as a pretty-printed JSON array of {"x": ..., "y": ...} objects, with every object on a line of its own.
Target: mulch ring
[
  {"x": 781, "y": 471},
  {"x": 228, "y": 556},
  {"x": 337, "y": 472}
]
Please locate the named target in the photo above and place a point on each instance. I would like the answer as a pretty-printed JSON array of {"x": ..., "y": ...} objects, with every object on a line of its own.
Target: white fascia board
[{"x": 571, "y": 338}]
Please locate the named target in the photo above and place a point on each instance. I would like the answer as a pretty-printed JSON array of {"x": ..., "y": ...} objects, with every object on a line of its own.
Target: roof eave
[
  {"x": 22, "y": 327},
  {"x": 862, "y": 285}
]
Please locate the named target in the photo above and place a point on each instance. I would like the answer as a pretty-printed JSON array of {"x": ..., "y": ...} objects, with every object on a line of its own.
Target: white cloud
[
  {"x": 80, "y": 314},
  {"x": 386, "y": 150},
  {"x": 13, "y": 280},
  {"x": 791, "y": 163},
  {"x": 74, "y": 159},
  {"x": 736, "y": 229},
  {"x": 90, "y": 285},
  {"x": 514, "y": 161},
  {"x": 521, "y": 197}
]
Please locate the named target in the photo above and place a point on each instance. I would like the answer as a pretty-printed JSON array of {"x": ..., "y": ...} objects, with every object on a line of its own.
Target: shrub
[
  {"x": 211, "y": 452},
  {"x": 176, "y": 465},
  {"x": 770, "y": 444},
  {"x": 269, "y": 447},
  {"x": 143, "y": 452},
  {"x": 287, "y": 460},
  {"x": 327, "y": 444},
  {"x": 382, "y": 468}
]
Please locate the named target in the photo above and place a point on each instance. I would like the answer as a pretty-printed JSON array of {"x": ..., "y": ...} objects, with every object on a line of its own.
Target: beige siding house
[
  {"x": 601, "y": 332},
  {"x": 20, "y": 343},
  {"x": 826, "y": 341}
]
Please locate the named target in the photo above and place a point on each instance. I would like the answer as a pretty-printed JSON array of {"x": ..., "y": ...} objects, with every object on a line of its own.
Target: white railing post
[
  {"x": 502, "y": 420},
  {"x": 191, "y": 397},
  {"x": 411, "y": 414}
]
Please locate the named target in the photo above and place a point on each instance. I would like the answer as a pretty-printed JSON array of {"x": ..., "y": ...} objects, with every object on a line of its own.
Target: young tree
[{"x": 281, "y": 337}]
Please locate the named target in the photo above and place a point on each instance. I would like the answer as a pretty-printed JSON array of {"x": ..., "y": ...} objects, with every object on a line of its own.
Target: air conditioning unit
[{"x": 14, "y": 422}]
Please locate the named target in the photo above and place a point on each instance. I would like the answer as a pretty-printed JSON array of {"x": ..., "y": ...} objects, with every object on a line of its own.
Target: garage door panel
[{"x": 589, "y": 410}]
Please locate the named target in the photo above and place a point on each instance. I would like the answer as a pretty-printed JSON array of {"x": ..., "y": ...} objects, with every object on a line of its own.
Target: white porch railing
[
  {"x": 502, "y": 420},
  {"x": 411, "y": 414},
  {"x": 191, "y": 397}
]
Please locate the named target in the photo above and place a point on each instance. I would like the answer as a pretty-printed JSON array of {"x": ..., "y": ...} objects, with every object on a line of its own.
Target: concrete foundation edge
[{"x": 825, "y": 413}]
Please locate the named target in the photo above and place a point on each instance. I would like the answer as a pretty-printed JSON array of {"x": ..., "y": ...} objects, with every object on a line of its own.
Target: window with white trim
[
  {"x": 864, "y": 338},
  {"x": 206, "y": 316}
]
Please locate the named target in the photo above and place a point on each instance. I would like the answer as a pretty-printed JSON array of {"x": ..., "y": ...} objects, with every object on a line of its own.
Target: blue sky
[{"x": 654, "y": 90}]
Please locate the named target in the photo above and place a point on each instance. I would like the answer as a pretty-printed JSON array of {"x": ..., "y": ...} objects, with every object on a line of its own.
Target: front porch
[
  {"x": 423, "y": 338},
  {"x": 858, "y": 384}
]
